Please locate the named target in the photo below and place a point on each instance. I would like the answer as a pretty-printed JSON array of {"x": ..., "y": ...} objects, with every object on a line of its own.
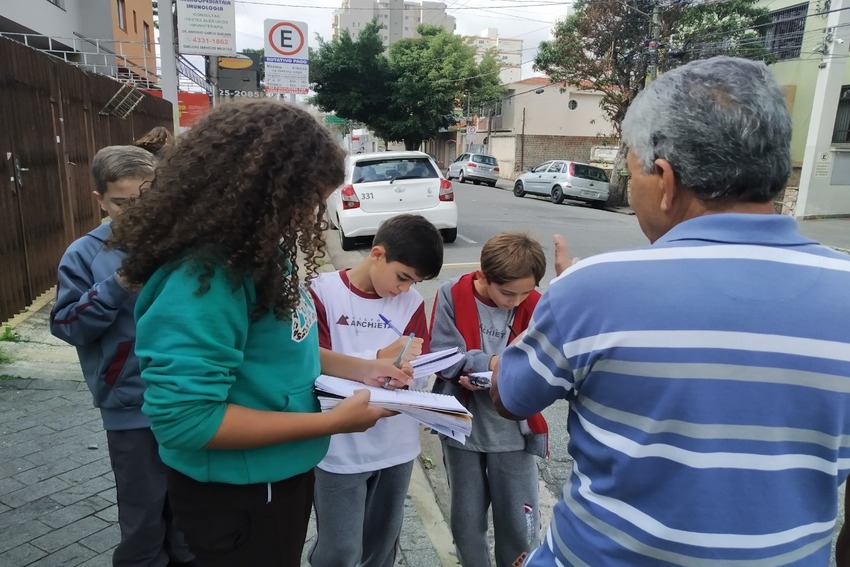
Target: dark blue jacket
[{"x": 95, "y": 314}]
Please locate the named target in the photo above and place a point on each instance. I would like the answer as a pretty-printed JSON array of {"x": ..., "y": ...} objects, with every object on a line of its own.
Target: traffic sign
[{"x": 286, "y": 57}]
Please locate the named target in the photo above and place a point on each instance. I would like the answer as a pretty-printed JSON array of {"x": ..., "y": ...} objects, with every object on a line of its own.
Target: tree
[
  {"x": 407, "y": 94},
  {"x": 604, "y": 46}
]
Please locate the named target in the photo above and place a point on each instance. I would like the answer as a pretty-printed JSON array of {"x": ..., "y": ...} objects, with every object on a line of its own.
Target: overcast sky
[{"x": 528, "y": 20}]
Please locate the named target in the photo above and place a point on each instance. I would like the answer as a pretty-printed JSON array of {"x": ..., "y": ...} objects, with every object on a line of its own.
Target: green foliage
[
  {"x": 5, "y": 358},
  {"x": 9, "y": 335},
  {"x": 602, "y": 46},
  {"x": 410, "y": 92}
]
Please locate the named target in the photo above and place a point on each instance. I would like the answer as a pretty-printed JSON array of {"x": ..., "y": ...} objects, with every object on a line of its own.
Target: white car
[{"x": 381, "y": 185}]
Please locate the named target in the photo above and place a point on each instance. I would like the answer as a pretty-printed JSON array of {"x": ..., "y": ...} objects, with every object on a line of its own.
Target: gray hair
[
  {"x": 119, "y": 162},
  {"x": 722, "y": 123}
]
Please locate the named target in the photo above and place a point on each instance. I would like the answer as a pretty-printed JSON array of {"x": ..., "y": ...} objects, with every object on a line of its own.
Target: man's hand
[
  {"x": 392, "y": 350},
  {"x": 562, "y": 254}
]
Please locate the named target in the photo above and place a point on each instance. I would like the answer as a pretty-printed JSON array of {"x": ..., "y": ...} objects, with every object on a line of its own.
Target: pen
[
  {"x": 390, "y": 325},
  {"x": 400, "y": 358}
]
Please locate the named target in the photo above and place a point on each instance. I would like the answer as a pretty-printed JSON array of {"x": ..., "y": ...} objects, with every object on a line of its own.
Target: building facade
[
  {"x": 398, "y": 18},
  {"x": 810, "y": 41},
  {"x": 110, "y": 37},
  {"x": 535, "y": 121},
  {"x": 507, "y": 51}
]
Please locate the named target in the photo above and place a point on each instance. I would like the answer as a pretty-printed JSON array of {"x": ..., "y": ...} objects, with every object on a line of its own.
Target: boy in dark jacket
[{"x": 94, "y": 312}]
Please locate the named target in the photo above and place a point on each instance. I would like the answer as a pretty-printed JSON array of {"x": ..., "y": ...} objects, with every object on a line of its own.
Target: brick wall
[{"x": 537, "y": 149}]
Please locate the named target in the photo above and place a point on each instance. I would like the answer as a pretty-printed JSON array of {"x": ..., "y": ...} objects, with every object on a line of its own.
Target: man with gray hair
[
  {"x": 708, "y": 375},
  {"x": 94, "y": 312}
]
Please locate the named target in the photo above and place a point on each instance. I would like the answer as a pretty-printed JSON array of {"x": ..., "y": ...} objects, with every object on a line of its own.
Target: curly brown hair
[
  {"x": 243, "y": 189},
  {"x": 157, "y": 141}
]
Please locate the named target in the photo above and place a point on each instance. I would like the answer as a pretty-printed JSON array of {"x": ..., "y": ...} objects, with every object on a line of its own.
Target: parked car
[
  {"x": 381, "y": 185},
  {"x": 560, "y": 179},
  {"x": 478, "y": 168}
]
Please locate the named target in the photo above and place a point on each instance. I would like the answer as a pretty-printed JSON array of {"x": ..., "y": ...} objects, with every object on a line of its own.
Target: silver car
[
  {"x": 478, "y": 168},
  {"x": 560, "y": 179}
]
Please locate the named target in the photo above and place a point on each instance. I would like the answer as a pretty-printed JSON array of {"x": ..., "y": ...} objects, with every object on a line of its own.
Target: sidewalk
[{"x": 57, "y": 495}]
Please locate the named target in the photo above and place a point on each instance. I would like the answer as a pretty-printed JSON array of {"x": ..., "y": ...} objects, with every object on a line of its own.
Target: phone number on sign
[
  {"x": 250, "y": 94},
  {"x": 213, "y": 40}
]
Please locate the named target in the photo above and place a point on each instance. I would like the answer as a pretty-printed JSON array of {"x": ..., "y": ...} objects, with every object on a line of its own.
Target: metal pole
[
  {"x": 213, "y": 79},
  {"x": 167, "y": 36},
  {"x": 653, "y": 42},
  {"x": 522, "y": 144}
]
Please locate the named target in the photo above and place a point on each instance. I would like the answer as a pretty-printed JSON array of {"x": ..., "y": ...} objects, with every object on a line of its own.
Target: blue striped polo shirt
[{"x": 709, "y": 386}]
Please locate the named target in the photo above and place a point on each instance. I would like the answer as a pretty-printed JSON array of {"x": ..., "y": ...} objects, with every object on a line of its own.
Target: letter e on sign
[{"x": 286, "y": 39}]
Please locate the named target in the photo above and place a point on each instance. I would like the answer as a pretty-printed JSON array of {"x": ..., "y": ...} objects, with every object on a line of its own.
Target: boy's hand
[
  {"x": 463, "y": 380},
  {"x": 394, "y": 349},
  {"x": 562, "y": 254},
  {"x": 381, "y": 373},
  {"x": 354, "y": 414}
]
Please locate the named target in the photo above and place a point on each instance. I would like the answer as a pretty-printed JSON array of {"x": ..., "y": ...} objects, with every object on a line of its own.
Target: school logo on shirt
[
  {"x": 343, "y": 320},
  {"x": 304, "y": 317},
  {"x": 360, "y": 322}
]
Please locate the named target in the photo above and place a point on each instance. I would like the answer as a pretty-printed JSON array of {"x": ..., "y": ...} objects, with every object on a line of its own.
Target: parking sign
[{"x": 286, "y": 57}]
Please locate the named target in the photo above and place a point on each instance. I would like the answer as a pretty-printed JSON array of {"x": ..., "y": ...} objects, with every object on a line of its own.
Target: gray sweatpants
[
  {"x": 148, "y": 535},
  {"x": 359, "y": 516},
  {"x": 508, "y": 481}
]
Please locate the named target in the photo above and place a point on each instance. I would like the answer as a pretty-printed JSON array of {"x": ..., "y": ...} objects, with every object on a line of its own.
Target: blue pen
[
  {"x": 400, "y": 358},
  {"x": 390, "y": 325}
]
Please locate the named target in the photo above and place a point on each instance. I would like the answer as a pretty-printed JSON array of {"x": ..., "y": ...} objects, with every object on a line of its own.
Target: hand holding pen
[{"x": 403, "y": 349}]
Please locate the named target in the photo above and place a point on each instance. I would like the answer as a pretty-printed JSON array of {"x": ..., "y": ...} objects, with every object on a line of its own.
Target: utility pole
[
  {"x": 655, "y": 33},
  {"x": 167, "y": 47}
]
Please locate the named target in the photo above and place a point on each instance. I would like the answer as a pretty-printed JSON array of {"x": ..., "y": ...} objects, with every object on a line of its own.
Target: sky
[{"x": 528, "y": 20}]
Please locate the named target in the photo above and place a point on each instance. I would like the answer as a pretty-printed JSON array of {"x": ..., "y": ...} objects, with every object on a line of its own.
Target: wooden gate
[{"x": 50, "y": 128}]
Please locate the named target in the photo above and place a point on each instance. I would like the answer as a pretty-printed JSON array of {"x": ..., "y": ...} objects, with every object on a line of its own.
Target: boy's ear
[
  {"x": 480, "y": 276},
  {"x": 99, "y": 198},
  {"x": 377, "y": 252}
]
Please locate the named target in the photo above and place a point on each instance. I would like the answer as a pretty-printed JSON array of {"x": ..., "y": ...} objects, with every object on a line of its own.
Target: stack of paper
[
  {"x": 426, "y": 364},
  {"x": 444, "y": 414}
]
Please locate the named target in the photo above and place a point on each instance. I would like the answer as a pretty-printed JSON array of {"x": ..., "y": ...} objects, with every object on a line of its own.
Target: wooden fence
[{"x": 50, "y": 129}]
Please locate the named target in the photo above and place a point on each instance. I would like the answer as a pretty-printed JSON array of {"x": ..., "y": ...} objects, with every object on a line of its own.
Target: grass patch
[
  {"x": 9, "y": 335},
  {"x": 5, "y": 358},
  {"x": 10, "y": 377}
]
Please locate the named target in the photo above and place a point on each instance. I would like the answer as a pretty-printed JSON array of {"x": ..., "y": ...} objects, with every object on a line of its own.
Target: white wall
[{"x": 548, "y": 113}]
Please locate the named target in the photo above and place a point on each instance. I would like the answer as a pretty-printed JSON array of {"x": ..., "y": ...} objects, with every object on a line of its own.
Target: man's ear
[{"x": 667, "y": 184}]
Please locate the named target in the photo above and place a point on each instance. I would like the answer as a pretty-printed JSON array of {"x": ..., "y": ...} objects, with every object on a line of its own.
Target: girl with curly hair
[{"x": 226, "y": 331}]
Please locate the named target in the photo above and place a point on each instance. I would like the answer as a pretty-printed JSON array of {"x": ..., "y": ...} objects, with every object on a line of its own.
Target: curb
[{"x": 32, "y": 308}]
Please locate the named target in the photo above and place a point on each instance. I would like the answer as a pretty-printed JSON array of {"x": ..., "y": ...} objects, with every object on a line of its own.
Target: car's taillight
[
  {"x": 446, "y": 192},
  {"x": 572, "y": 169},
  {"x": 349, "y": 198},
  {"x": 472, "y": 164},
  {"x": 496, "y": 169}
]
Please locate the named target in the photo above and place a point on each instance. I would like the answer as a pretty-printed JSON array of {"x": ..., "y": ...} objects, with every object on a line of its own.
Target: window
[
  {"x": 122, "y": 14},
  {"x": 841, "y": 132},
  {"x": 556, "y": 167},
  {"x": 784, "y": 35},
  {"x": 572, "y": 105},
  {"x": 135, "y": 23},
  {"x": 58, "y": 3},
  {"x": 146, "y": 39}
]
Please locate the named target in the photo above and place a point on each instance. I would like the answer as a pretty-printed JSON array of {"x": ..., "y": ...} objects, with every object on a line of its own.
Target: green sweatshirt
[{"x": 199, "y": 353}]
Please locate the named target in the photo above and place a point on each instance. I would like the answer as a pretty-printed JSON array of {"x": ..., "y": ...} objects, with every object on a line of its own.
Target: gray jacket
[{"x": 95, "y": 314}]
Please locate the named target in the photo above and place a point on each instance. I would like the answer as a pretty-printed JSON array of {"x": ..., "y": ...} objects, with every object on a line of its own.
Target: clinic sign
[
  {"x": 286, "y": 57},
  {"x": 206, "y": 27}
]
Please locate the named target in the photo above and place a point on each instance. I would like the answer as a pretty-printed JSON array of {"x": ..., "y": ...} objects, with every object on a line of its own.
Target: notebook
[
  {"x": 444, "y": 414},
  {"x": 426, "y": 364}
]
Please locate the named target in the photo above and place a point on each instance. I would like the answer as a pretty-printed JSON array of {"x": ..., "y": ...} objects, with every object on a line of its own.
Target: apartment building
[
  {"x": 110, "y": 37},
  {"x": 399, "y": 18},
  {"x": 508, "y": 53}
]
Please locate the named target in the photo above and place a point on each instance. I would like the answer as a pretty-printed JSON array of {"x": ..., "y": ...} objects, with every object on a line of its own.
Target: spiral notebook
[
  {"x": 426, "y": 364},
  {"x": 444, "y": 414}
]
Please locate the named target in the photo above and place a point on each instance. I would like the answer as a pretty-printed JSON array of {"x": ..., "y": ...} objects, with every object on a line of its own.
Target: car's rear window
[
  {"x": 392, "y": 168},
  {"x": 489, "y": 160},
  {"x": 590, "y": 172}
]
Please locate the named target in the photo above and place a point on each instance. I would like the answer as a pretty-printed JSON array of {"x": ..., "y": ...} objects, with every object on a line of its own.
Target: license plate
[{"x": 585, "y": 193}]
